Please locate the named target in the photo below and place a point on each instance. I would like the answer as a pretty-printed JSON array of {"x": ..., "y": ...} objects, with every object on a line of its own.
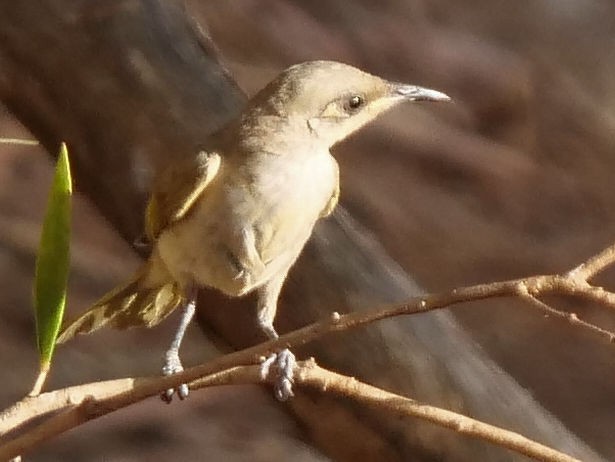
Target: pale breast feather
[{"x": 292, "y": 195}]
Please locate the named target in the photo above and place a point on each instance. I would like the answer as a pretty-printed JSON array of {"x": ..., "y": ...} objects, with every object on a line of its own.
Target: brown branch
[
  {"x": 322, "y": 379},
  {"x": 118, "y": 394},
  {"x": 593, "y": 265},
  {"x": 572, "y": 318},
  {"x": 32, "y": 407},
  {"x": 308, "y": 375},
  {"x": 527, "y": 289}
]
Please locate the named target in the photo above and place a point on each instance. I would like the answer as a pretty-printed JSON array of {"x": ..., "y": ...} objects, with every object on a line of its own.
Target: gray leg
[
  {"x": 267, "y": 305},
  {"x": 284, "y": 360},
  {"x": 172, "y": 363}
]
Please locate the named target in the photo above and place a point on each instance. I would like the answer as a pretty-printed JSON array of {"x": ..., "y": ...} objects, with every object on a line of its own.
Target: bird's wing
[{"x": 177, "y": 189}]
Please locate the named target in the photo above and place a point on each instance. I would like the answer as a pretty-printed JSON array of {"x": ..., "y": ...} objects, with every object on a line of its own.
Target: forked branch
[
  {"x": 75, "y": 405},
  {"x": 308, "y": 375}
]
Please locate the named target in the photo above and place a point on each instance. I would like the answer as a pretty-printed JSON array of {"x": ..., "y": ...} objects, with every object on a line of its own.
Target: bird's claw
[
  {"x": 173, "y": 365},
  {"x": 285, "y": 367}
]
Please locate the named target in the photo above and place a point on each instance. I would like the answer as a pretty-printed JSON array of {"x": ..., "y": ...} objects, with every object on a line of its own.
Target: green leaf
[{"x": 53, "y": 260}]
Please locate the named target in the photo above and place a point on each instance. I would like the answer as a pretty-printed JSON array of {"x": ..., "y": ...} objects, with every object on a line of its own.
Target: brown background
[{"x": 513, "y": 179}]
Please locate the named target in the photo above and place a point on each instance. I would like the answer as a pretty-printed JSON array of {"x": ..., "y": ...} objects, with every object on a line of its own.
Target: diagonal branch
[
  {"x": 572, "y": 318},
  {"x": 308, "y": 375},
  {"x": 316, "y": 377},
  {"x": 528, "y": 289},
  {"x": 594, "y": 265},
  {"x": 86, "y": 402}
]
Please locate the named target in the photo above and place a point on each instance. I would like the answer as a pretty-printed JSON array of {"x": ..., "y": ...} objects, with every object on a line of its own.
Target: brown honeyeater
[{"x": 236, "y": 216}]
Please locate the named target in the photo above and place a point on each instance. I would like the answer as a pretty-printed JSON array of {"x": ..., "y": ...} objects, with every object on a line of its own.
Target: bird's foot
[
  {"x": 173, "y": 365},
  {"x": 285, "y": 363}
]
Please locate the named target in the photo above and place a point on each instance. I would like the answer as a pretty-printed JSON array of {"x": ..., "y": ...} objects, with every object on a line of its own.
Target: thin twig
[
  {"x": 308, "y": 374},
  {"x": 572, "y": 318},
  {"x": 19, "y": 141},
  {"x": 574, "y": 283},
  {"x": 589, "y": 268},
  {"x": 40, "y": 380},
  {"x": 31, "y": 407},
  {"x": 322, "y": 379},
  {"x": 535, "y": 286}
]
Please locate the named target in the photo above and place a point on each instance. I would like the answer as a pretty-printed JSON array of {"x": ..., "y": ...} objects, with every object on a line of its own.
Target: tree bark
[{"x": 132, "y": 85}]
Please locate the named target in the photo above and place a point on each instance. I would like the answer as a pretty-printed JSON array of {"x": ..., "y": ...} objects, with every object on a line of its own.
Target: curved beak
[{"x": 415, "y": 93}]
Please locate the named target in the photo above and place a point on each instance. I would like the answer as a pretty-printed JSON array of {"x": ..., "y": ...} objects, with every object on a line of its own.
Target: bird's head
[{"x": 333, "y": 99}]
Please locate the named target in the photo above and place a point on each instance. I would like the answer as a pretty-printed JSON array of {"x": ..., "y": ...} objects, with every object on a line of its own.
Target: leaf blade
[{"x": 53, "y": 261}]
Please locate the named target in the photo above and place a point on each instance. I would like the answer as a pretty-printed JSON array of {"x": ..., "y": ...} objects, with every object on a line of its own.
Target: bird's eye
[{"x": 353, "y": 103}]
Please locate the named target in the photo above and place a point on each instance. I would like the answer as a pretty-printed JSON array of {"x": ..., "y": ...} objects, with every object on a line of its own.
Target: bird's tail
[{"x": 145, "y": 300}]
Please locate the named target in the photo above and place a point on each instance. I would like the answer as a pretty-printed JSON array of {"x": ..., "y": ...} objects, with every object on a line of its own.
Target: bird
[{"x": 235, "y": 216}]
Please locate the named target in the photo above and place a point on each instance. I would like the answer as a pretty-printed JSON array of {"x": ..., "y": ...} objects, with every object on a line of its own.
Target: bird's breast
[
  {"x": 285, "y": 198},
  {"x": 252, "y": 222}
]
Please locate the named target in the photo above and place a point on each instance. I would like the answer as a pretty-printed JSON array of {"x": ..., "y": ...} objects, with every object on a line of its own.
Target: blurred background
[{"x": 515, "y": 178}]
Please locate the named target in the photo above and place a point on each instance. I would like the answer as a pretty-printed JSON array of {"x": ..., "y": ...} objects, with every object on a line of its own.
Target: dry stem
[
  {"x": 86, "y": 402},
  {"x": 308, "y": 375}
]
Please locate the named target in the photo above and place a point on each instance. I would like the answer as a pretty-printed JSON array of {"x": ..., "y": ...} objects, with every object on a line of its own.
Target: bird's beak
[{"x": 414, "y": 93}]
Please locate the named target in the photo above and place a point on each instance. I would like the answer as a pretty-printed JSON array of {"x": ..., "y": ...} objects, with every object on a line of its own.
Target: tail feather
[{"x": 136, "y": 303}]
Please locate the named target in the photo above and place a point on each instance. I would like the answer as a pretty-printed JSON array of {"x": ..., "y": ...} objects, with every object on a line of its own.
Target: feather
[{"x": 133, "y": 304}]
